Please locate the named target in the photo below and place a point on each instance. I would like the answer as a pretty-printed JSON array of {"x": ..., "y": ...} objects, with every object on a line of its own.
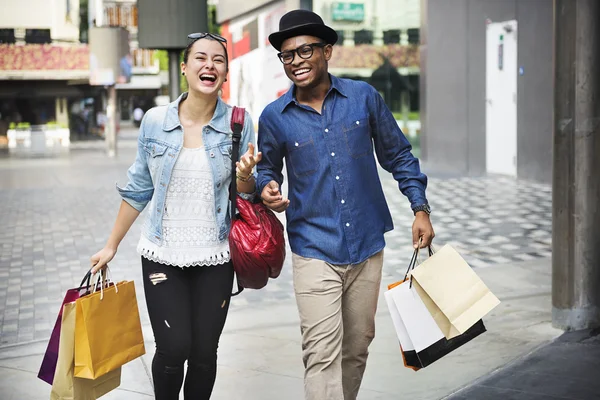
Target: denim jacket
[{"x": 159, "y": 142}]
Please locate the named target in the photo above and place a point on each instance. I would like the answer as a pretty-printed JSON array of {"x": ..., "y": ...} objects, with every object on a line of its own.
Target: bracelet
[{"x": 244, "y": 178}]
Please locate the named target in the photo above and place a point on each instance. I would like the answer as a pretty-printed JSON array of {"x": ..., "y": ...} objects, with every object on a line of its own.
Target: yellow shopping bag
[
  {"x": 452, "y": 292},
  {"x": 67, "y": 387},
  {"x": 108, "y": 332}
]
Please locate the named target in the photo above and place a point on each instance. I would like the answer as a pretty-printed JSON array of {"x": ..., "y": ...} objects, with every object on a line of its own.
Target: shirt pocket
[
  {"x": 303, "y": 157},
  {"x": 357, "y": 134},
  {"x": 156, "y": 152}
]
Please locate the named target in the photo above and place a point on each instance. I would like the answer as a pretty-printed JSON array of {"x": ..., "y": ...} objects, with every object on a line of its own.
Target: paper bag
[
  {"x": 108, "y": 332},
  {"x": 65, "y": 385},
  {"x": 48, "y": 367},
  {"x": 421, "y": 340},
  {"x": 452, "y": 292}
]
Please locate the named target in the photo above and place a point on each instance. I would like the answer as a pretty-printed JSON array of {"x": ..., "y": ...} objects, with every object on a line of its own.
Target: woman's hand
[
  {"x": 101, "y": 259},
  {"x": 247, "y": 162}
]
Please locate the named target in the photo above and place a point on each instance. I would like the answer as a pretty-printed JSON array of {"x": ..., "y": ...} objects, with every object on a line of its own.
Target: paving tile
[{"x": 46, "y": 249}]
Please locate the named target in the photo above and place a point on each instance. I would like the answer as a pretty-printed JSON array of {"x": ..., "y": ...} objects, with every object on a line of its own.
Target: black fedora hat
[{"x": 302, "y": 22}]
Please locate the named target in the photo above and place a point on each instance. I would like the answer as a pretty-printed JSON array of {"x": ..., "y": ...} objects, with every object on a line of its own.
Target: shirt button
[
  {"x": 219, "y": 209},
  {"x": 343, "y": 201},
  {"x": 337, "y": 178},
  {"x": 357, "y": 123},
  {"x": 326, "y": 130},
  {"x": 347, "y": 224},
  {"x": 212, "y": 155},
  {"x": 296, "y": 144},
  {"x": 219, "y": 184},
  {"x": 332, "y": 154}
]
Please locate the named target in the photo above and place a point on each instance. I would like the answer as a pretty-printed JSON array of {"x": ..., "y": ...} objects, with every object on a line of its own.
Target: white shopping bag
[
  {"x": 422, "y": 342},
  {"x": 415, "y": 327}
]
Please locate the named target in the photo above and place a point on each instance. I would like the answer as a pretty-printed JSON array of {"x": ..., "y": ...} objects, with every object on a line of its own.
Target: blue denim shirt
[
  {"x": 337, "y": 212},
  {"x": 159, "y": 142}
]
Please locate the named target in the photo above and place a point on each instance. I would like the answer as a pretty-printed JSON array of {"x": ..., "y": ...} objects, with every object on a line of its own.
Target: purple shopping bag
[
  {"x": 51, "y": 356},
  {"x": 48, "y": 366}
]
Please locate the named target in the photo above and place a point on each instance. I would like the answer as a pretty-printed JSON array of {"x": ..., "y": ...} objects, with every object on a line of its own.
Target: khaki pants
[{"x": 337, "y": 306}]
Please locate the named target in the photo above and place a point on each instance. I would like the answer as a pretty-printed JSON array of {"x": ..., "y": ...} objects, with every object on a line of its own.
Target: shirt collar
[
  {"x": 290, "y": 96},
  {"x": 219, "y": 121}
]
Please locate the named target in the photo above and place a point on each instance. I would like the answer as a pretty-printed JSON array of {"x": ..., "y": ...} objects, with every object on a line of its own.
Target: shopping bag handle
[
  {"x": 104, "y": 281},
  {"x": 413, "y": 261}
]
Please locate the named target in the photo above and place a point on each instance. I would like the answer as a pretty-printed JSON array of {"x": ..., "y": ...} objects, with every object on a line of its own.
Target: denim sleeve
[
  {"x": 271, "y": 165},
  {"x": 139, "y": 189},
  {"x": 248, "y": 136},
  {"x": 394, "y": 152}
]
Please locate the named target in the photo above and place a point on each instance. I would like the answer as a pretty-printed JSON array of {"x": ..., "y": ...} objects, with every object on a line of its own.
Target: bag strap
[{"x": 237, "y": 125}]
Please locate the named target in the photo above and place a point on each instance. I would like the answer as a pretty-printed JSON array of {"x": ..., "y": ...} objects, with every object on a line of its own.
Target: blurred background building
[
  {"x": 469, "y": 81},
  {"x": 44, "y": 69},
  {"x": 378, "y": 43},
  {"x": 146, "y": 78}
]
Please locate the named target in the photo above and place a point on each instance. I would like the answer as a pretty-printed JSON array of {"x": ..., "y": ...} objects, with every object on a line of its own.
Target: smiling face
[
  {"x": 205, "y": 66},
  {"x": 310, "y": 72}
]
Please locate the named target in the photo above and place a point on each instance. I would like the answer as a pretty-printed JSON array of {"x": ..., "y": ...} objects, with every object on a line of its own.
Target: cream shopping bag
[
  {"x": 452, "y": 292},
  {"x": 67, "y": 387}
]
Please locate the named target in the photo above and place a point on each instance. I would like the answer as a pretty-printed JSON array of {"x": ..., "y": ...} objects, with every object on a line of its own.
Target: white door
[{"x": 501, "y": 98}]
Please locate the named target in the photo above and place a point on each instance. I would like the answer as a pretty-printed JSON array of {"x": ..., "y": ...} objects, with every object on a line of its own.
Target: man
[{"x": 326, "y": 129}]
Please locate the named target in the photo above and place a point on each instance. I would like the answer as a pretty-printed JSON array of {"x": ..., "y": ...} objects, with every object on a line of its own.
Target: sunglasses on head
[{"x": 202, "y": 35}]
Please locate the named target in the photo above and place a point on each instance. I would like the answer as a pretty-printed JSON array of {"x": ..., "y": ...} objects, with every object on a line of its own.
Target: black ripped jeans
[{"x": 187, "y": 308}]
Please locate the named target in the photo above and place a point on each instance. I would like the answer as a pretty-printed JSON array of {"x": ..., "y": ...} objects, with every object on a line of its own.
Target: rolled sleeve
[
  {"x": 271, "y": 166},
  {"x": 139, "y": 189},
  {"x": 394, "y": 152}
]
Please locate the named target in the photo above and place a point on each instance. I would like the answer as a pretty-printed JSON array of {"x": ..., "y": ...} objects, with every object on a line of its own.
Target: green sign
[{"x": 354, "y": 12}]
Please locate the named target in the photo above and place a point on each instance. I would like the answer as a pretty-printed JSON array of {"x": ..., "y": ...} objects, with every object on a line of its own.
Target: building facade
[
  {"x": 378, "y": 43},
  {"x": 43, "y": 67},
  {"x": 146, "y": 81}
]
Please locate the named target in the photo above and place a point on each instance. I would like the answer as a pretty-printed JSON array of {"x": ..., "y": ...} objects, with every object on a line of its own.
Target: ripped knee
[{"x": 157, "y": 277}]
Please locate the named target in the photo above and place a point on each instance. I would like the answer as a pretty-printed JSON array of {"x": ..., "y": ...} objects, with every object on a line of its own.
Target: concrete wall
[
  {"x": 535, "y": 91},
  {"x": 453, "y": 75}
]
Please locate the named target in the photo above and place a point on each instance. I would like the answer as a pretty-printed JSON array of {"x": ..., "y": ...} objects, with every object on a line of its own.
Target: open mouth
[
  {"x": 300, "y": 73},
  {"x": 208, "y": 78}
]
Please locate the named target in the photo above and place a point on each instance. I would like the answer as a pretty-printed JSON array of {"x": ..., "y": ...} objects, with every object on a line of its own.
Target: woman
[{"x": 183, "y": 171}]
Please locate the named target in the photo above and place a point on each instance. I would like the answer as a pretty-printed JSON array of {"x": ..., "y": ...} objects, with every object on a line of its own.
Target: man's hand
[
  {"x": 272, "y": 198},
  {"x": 422, "y": 229}
]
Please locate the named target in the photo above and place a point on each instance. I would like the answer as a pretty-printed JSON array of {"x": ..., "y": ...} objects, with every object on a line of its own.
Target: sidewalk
[
  {"x": 564, "y": 369},
  {"x": 259, "y": 356},
  {"x": 56, "y": 213}
]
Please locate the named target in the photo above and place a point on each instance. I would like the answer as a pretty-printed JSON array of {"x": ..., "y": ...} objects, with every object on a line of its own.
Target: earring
[{"x": 183, "y": 73}]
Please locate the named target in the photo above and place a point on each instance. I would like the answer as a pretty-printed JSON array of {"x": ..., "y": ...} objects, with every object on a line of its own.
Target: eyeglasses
[
  {"x": 305, "y": 52},
  {"x": 202, "y": 35}
]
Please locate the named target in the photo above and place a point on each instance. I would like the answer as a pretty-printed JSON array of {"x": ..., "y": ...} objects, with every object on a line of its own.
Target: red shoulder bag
[{"x": 256, "y": 240}]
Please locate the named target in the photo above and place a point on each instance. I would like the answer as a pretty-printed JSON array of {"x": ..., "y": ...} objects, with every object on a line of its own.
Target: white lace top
[{"x": 189, "y": 225}]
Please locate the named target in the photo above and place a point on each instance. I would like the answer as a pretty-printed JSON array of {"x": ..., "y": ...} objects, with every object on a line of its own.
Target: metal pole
[
  {"x": 110, "y": 128},
  {"x": 576, "y": 165},
  {"x": 174, "y": 71}
]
